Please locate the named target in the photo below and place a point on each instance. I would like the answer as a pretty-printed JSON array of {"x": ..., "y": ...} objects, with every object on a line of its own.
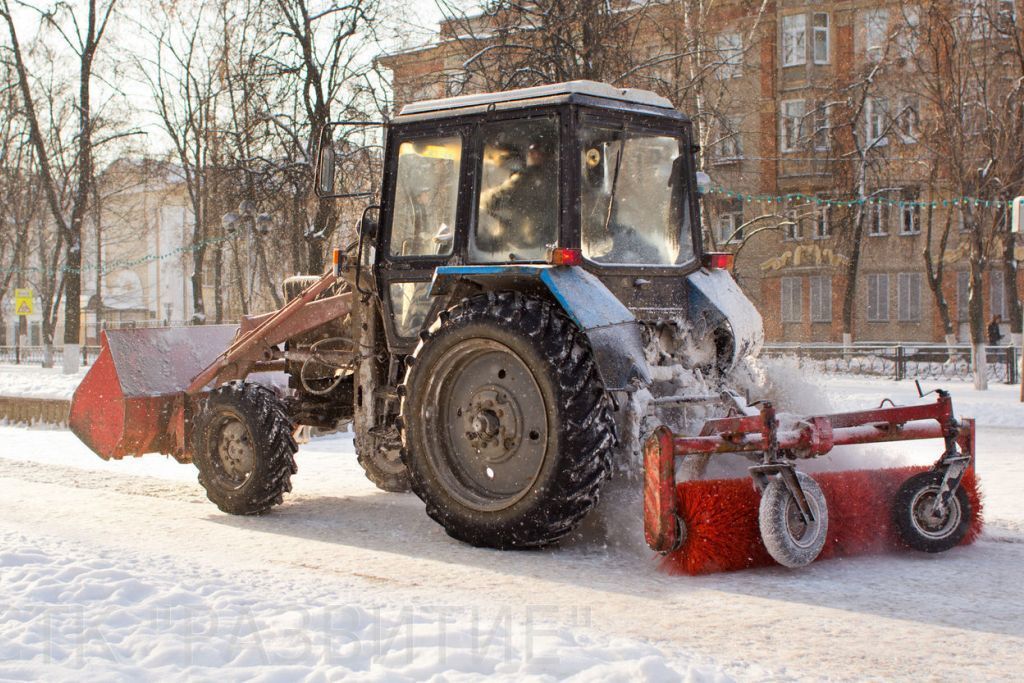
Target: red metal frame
[
  {"x": 810, "y": 437},
  {"x": 252, "y": 342}
]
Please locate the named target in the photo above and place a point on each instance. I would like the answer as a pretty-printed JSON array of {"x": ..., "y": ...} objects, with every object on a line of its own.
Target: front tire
[
  {"x": 507, "y": 431},
  {"x": 243, "y": 447},
  {"x": 789, "y": 539},
  {"x": 924, "y": 531},
  {"x": 383, "y": 466}
]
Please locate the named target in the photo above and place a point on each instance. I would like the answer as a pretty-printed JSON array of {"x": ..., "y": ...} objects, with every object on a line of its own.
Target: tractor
[{"x": 535, "y": 261}]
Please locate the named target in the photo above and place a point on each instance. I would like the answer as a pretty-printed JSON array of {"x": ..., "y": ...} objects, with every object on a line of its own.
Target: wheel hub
[
  {"x": 491, "y": 434},
  {"x": 235, "y": 451},
  {"x": 929, "y": 519},
  {"x": 493, "y": 422}
]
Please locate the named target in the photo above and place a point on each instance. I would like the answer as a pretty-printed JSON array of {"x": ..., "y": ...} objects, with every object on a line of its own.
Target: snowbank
[{"x": 32, "y": 381}]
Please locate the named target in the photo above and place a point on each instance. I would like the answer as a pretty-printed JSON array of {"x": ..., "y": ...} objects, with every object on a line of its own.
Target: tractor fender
[
  {"x": 715, "y": 302},
  {"x": 612, "y": 330}
]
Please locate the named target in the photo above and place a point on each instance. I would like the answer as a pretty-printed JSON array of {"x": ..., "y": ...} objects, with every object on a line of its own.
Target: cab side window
[
  {"x": 517, "y": 217},
  {"x": 426, "y": 196}
]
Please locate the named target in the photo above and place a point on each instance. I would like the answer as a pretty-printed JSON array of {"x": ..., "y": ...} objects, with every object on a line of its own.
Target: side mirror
[
  {"x": 368, "y": 226},
  {"x": 345, "y": 157},
  {"x": 703, "y": 183},
  {"x": 325, "y": 168}
]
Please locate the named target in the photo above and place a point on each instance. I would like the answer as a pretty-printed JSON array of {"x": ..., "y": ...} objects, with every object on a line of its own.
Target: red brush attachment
[{"x": 722, "y": 534}]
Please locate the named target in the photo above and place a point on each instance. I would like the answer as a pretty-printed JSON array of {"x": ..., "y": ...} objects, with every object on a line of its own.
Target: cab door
[{"x": 423, "y": 222}]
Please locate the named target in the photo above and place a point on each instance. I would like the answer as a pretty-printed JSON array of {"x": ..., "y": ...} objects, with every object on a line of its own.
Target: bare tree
[
  {"x": 966, "y": 58},
  {"x": 20, "y": 200},
  {"x": 322, "y": 54},
  {"x": 182, "y": 76},
  {"x": 83, "y": 36}
]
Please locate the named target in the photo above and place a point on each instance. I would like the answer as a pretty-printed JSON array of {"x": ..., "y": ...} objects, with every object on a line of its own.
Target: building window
[
  {"x": 876, "y": 33},
  {"x": 909, "y": 293},
  {"x": 908, "y": 118},
  {"x": 821, "y": 38},
  {"x": 1006, "y": 14},
  {"x": 794, "y": 40},
  {"x": 963, "y": 295},
  {"x": 822, "y": 128},
  {"x": 972, "y": 19},
  {"x": 455, "y": 83},
  {"x": 821, "y": 299},
  {"x": 792, "y": 299},
  {"x": 877, "y": 111},
  {"x": 729, "y": 226},
  {"x": 906, "y": 37},
  {"x": 730, "y": 143},
  {"x": 822, "y": 218},
  {"x": 730, "y": 55},
  {"x": 910, "y": 214},
  {"x": 878, "y": 297},
  {"x": 997, "y": 302},
  {"x": 878, "y": 219},
  {"x": 793, "y": 112},
  {"x": 793, "y": 227}
]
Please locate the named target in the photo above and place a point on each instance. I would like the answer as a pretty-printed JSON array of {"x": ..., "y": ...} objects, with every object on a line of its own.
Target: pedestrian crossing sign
[{"x": 24, "y": 302}]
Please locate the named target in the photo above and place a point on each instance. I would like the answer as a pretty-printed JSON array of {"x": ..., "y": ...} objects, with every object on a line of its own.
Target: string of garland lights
[
  {"x": 725, "y": 192},
  {"x": 126, "y": 263},
  {"x": 878, "y": 201}
]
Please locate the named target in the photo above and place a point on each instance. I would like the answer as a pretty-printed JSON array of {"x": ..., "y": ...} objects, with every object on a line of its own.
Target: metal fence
[
  {"x": 904, "y": 361},
  {"x": 34, "y": 355}
]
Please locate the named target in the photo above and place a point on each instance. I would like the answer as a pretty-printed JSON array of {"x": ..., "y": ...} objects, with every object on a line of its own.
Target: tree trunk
[
  {"x": 976, "y": 314},
  {"x": 1011, "y": 293},
  {"x": 935, "y": 271},
  {"x": 850, "y": 291},
  {"x": 218, "y": 283}
]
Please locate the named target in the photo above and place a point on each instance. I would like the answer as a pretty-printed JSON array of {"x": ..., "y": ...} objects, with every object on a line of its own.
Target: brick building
[{"x": 810, "y": 116}]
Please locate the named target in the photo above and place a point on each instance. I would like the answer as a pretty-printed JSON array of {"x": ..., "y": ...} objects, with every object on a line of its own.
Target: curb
[{"x": 24, "y": 410}]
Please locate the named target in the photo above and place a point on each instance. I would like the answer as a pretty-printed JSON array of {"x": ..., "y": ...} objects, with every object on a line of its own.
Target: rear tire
[
  {"x": 788, "y": 538},
  {"x": 925, "y": 532},
  {"x": 243, "y": 447},
  {"x": 506, "y": 428}
]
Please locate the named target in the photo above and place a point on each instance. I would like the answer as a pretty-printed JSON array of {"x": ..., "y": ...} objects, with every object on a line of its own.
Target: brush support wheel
[
  {"x": 790, "y": 539},
  {"x": 918, "y": 524}
]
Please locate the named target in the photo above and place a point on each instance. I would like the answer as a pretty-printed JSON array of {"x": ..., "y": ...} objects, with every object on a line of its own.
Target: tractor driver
[{"x": 521, "y": 205}]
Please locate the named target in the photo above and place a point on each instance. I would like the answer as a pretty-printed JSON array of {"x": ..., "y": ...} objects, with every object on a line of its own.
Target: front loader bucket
[{"x": 124, "y": 404}]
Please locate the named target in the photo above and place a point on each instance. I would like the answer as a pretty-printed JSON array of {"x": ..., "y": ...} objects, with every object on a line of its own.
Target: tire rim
[
  {"x": 485, "y": 423},
  {"x": 234, "y": 455},
  {"x": 800, "y": 532},
  {"x": 929, "y": 524}
]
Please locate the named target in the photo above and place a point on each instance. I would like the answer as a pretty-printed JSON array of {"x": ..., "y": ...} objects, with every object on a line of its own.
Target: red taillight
[
  {"x": 336, "y": 260},
  {"x": 561, "y": 256},
  {"x": 717, "y": 260}
]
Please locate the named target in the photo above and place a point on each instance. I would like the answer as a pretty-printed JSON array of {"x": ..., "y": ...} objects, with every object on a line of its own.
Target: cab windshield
[{"x": 634, "y": 201}]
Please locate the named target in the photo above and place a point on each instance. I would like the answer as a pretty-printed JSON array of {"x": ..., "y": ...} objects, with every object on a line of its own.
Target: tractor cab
[{"x": 498, "y": 184}]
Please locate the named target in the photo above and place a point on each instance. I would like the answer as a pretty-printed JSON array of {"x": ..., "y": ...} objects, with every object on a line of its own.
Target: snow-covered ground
[
  {"x": 32, "y": 381},
  {"x": 123, "y": 570}
]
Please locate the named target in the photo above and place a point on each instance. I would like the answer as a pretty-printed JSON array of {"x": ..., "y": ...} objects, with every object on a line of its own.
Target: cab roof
[{"x": 573, "y": 92}]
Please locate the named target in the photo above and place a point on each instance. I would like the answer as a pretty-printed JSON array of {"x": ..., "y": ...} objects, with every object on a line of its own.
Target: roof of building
[{"x": 558, "y": 93}]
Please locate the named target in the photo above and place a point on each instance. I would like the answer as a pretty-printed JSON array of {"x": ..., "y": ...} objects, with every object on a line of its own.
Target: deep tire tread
[
  {"x": 271, "y": 430},
  {"x": 392, "y": 482},
  {"x": 587, "y": 426}
]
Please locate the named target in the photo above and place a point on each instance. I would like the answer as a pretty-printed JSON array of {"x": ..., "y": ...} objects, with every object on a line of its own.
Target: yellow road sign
[{"x": 24, "y": 302}]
